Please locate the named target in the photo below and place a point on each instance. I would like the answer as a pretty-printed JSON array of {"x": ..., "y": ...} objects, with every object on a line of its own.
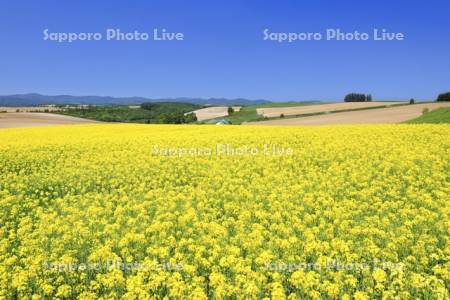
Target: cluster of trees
[
  {"x": 155, "y": 112},
  {"x": 176, "y": 118},
  {"x": 161, "y": 107},
  {"x": 109, "y": 113},
  {"x": 171, "y": 112},
  {"x": 356, "y": 97},
  {"x": 444, "y": 97}
]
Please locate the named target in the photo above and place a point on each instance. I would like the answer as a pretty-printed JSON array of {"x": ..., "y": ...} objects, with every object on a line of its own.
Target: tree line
[{"x": 358, "y": 97}]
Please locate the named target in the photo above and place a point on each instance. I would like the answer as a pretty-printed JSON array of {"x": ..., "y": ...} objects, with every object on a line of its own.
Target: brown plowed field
[
  {"x": 12, "y": 120},
  {"x": 309, "y": 109},
  {"x": 370, "y": 116}
]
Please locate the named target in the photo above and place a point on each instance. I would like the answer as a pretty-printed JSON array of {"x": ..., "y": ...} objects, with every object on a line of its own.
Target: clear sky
[{"x": 223, "y": 53}]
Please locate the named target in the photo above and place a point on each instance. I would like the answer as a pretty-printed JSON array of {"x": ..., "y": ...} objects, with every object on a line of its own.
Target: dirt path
[
  {"x": 370, "y": 116},
  {"x": 13, "y": 120}
]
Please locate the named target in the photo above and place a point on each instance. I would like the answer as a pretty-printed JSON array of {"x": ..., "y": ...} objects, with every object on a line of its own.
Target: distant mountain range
[{"x": 38, "y": 99}]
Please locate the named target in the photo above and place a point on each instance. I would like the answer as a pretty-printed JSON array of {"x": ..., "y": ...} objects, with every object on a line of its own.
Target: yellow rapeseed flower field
[{"x": 236, "y": 212}]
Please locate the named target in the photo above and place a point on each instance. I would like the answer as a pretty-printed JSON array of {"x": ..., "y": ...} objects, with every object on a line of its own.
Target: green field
[{"x": 441, "y": 115}]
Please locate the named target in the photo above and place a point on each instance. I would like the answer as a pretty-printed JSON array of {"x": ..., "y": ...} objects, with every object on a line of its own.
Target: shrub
[
  {"x": 282, "y": 116},
  {"x": 425, "y": 110},
  {"x": 411, "y": 101},
  {"x": 190, "y": 118}
]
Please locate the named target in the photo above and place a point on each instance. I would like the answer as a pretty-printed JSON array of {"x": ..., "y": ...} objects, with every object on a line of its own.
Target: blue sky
[{"x": 224, "y": 54}]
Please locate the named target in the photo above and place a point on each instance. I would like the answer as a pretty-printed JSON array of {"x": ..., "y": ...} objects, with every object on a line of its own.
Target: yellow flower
[
  {"x": 379, "y": 275},
  {"x": 64, "y": 291},
  {"x": 360, "y": 296}
]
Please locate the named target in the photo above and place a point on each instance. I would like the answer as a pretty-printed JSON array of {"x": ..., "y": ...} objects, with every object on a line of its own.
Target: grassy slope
[{"x": 441, "y": 115}]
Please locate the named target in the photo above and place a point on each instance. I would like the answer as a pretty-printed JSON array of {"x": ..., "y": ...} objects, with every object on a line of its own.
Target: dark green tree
[
  {"x": 355, "y": 97},
  {"x": 190, "y": 118},
  {"x": 444, "y": 97}
]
